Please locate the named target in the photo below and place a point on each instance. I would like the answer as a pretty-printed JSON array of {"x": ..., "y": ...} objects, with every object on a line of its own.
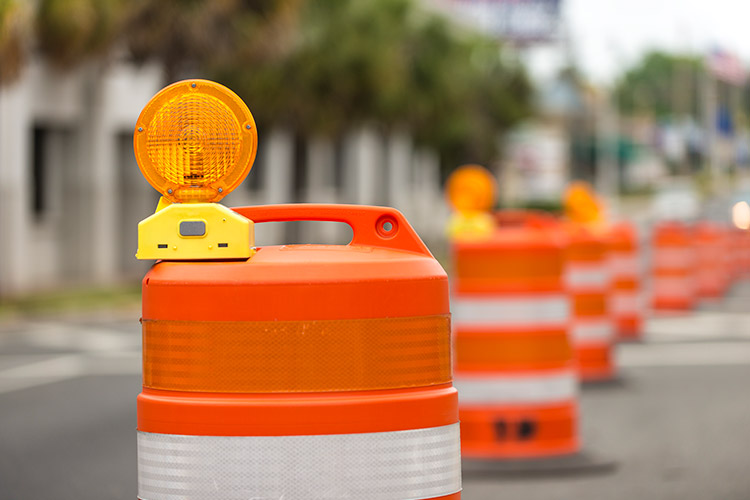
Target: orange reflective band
[
  {"x": 594, "y": 251},
  {"x": 296, "y": 356},
  {"x": 545, "y": 268},
  {"x": 495, "y": 351},
  {"x": 589, "y": 304}
]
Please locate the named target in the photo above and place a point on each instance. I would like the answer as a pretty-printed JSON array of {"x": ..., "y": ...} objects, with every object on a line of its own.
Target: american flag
[{"x": 726, "y": 67}]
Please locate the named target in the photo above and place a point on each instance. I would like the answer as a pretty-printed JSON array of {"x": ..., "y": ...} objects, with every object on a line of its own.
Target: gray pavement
[{"x": 677, "y": 425}]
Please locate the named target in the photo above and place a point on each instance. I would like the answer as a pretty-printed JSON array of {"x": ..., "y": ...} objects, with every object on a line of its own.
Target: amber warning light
[
  {"x": 195, "y": 142},
  {"x": 471, "y": 190}
]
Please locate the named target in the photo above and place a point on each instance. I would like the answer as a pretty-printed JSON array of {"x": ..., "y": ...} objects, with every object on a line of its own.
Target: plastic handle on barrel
[{"x": 383, "y": 227}]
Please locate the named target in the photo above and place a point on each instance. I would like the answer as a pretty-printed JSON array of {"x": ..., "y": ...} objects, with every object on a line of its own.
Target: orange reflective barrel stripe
[
  {"x": 523, "y": 349},
  {"x": 523, "y": 268},
  {"x": 296, "y": 356},
  {"x": 590, "y": 304}
]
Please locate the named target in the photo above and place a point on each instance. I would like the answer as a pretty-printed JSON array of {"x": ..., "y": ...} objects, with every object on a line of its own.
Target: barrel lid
[{"x": 304, "y": 264}]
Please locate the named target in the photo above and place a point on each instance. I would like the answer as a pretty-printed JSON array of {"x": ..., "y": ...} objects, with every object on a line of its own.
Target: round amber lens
[
  {"x": 471, "y": 188},
  {"x": 195, "y": 141}
]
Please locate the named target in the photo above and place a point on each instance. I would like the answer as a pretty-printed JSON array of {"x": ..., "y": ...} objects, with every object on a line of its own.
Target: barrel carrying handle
[{"x": 383, "y": 227}]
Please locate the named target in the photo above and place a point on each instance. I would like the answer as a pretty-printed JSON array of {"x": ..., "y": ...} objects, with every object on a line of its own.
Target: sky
[{"x": 608, "y": 35}]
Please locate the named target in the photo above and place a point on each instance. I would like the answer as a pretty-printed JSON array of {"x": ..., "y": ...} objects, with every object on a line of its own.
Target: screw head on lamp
[
  {"x": 471, "y": 188},
  {"x": 195, "y": 141}
]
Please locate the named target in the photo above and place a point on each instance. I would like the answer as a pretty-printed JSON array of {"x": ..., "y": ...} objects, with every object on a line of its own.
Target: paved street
[{"x": 677, "y": 424}]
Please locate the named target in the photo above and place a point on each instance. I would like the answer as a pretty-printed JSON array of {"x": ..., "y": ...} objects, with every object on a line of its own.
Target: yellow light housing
[
  {"x": 195, "y": 141},
  {"x": 471, "y": 188}
]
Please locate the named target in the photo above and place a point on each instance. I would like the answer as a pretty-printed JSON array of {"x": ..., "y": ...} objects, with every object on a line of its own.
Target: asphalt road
[{"x": 676, "y": 425}]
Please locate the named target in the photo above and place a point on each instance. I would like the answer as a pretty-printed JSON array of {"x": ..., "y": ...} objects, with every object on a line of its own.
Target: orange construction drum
[
  {"x": 625, "y": 266},
  {"x": 744, "y": 259},
  {"x": 589, "y": 282},
  {"x": 514, "y": 365},
  {"x": 305, "y": 371},
  {"x": 712, "y": 273},
  {"x": 673, "y": 283},
  {"x": 739, "y": 241}
]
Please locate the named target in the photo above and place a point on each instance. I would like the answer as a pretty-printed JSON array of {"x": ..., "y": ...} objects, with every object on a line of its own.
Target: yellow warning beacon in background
[
  {"x": 471, "y": 191},
  {"x": 195, "y": 142}
]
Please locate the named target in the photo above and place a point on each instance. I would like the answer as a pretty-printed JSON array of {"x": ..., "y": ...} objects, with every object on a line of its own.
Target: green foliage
[
  {"x": 71, "y": 31},
  {"x": 661, "y": 84},
  {"x": 317, "y": 66},
  {"x": 14, "y": 32},
  {"x": 388, "y": 62}
]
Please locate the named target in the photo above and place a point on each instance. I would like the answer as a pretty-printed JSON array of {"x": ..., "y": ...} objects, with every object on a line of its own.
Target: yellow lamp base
[{"x": 195, "y": 231}]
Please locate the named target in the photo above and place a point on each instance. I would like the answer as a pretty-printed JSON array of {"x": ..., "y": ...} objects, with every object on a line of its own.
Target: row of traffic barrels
[
  {"x": 538, "y": 305},
  {"x": 695, "y": 261}
]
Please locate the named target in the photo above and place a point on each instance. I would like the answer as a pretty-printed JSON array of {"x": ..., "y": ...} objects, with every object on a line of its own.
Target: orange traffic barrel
[
  {"x": 739, "y": 249},
  {"x": 672, "y": 267},
  {"x": 627, "y": 301},
  {"x": 589, "y": 283},
  {"x": 305, "y": 371},
  {"x": 744, "y": 259},
  {"x": 712, "y": 273},
  {"x": 514, "y": 365}
]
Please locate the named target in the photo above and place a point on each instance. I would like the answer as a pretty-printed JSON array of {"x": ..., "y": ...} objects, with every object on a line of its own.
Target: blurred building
[{"x": 71, "y": 194}]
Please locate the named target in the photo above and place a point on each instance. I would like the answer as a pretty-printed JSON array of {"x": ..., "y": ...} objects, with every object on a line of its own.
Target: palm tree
[
  {"x": 189, "y": 36},
  {"x": 69, "y": 32},
  {"x": 15, "y": 31},
  {"x": 319, "y": 67}
]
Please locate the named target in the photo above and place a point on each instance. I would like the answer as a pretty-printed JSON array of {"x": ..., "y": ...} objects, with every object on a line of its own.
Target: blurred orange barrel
[
  {"x": 740, "y": 253},
  {"x": 514, "y": 365},
  {"x": 673, "y": 267},
  {"x": 626, "y": 303},
  {"x": 589, "y": 283},
  {"x": 305, "y": 371},
  {"x": 745, "y": 257},
  {"x": 712, "y": 274}
]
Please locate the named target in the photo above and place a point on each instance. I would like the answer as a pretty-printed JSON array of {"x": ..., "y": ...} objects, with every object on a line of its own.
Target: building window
[
  {"x": 254, "y": 180},
  {"x": 39, "y": 174},
  {"x": 299, "y": 167}
]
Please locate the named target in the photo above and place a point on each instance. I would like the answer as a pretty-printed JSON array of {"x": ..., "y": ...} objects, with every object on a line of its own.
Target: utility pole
[{"x": 607, "y": 179}]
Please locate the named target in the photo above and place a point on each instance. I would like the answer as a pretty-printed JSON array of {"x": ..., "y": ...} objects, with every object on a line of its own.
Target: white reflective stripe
[
  {"x": 587, "y": 275},
  {"x": 624, "y": 264},
  {"x": 495, "y": 389},
  {"x": 673, "y": 258},
  {"x": 599, "y": 330},
  {"x": 413, "y": 464},
  {"x": 508, "y": 310},
  {"x": 625, "y": 303}
]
